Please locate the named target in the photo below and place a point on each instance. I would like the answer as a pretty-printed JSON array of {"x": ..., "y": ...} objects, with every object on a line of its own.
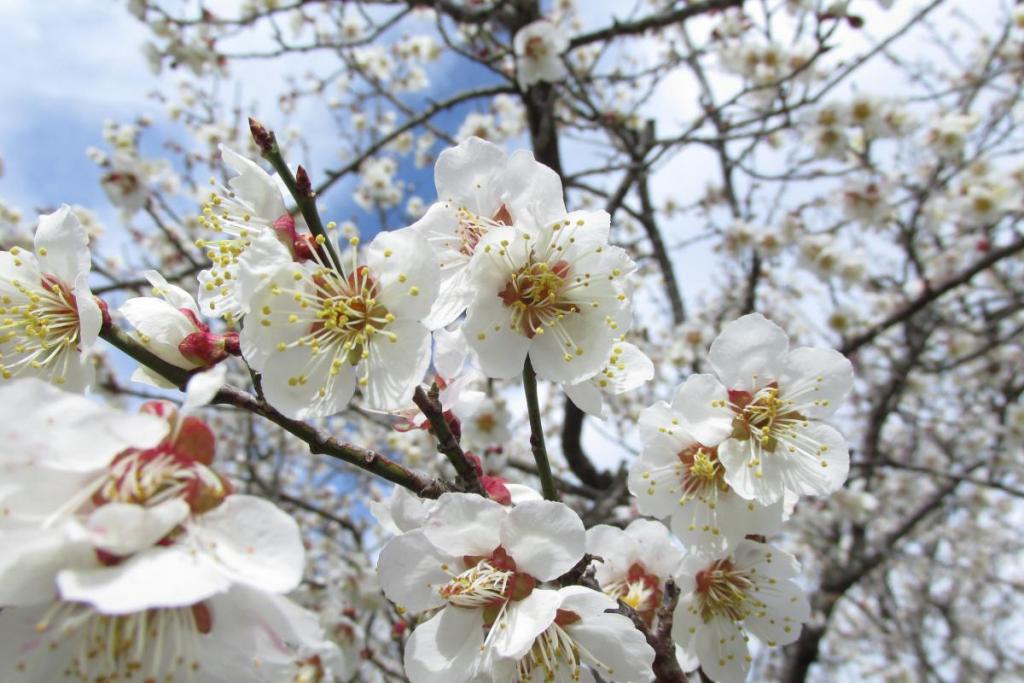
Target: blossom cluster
[
  {"x": 141, "y": 549},
  {"x": 127, "y": 555}
]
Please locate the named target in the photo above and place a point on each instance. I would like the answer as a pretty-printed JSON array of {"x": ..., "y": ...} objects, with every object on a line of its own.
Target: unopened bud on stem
[
  {"x": 263, "y": 138},
  {"x": 303, "y": 185}
]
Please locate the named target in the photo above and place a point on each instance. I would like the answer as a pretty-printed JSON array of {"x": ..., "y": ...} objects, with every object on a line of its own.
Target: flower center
[
  {"x": 158, "y": 474},
  {"x": 472, "y": 227},
  {"x": 722, "y": 591},
  {"x": 764, "y": 416},
  {"x": 556, "y": 648},
  {"x": 126, "y": 183},
  {"x": 488, "y": 582},
  {"x": 703, "y": 475},
  {"x": 534, "y": 293},
  {"x": 551, "y": 650},
  {"x": 151, "y": 645},
  {"x": 536, "y": 48},
  {"x": 638, "y": 589},
  {"x": 486, "y": 422},
  {"x": 481, "y": 585},
  {"x": 349, "y": 312},
  {"x": 41, "y": 329}
]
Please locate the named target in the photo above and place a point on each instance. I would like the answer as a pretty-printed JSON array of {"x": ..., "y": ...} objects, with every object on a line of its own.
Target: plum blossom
[
  {"x": 539, "y": 47},
  {"x": 377, "y": 184},
  {"x": 50, "y": 318},
  {"x": 584, "y": 636},
  {"x": 748, "y": 590},
  {"x": 479, "y": 189},
  {"x": 160, "y": 520},
  {"x": 948, "y": 134},
  {"x": 242, "y": 634},
  {"x": 634, "y": 563},
  {"x": 867, "y": 203},
  {"x": 554, "y": 292},
  {"x": 170, "y": 325},
  {"x": 678, "y": 477},
  {"x": 123, "y": 539},
  {"x": 128, "y": 179},
  {"x": 479, "y": 566},
  {"x": 763, "y": 412},
  {"x": 316, "y": 333},
  {"x": 251, "y": 235}
]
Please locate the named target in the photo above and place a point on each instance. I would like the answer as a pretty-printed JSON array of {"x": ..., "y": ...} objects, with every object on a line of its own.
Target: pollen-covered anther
[
  {"x": 41, "y": 330},
  {"x": 724, "y": 591},
  {"x": 156, "y": 644}
]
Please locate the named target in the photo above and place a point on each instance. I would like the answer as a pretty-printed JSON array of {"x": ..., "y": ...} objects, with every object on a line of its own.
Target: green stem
[
  {"x": 305, "y": 199},
  {"x": 540, "y": 451}
]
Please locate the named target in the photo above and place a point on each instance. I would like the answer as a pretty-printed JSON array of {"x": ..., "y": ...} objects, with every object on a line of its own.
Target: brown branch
[
  {"x": 435, "y": 108},
  {"x": 654, "y": 21},
  {"x": 931, "y": 294},
  {"x": 447, "y": 444},
  {"x": 318, "y": 440},
  {"x": 804, "y": 652},
  {"x": 666, "y": 666}
]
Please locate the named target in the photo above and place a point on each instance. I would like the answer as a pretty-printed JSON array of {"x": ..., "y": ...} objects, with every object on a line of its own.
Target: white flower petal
[
  {"x": 48, "y": 430},
  {"x": 253, "y": 542},
  {"x": 254, "y": 185},
  {"x": 816, "y": 379},
  {"x": 702, "y": 401},
  {"x": 62, "y": 246},
  {"x": 174, "y": 576},
  {"x": 655, "y": 480},
  {"x": 586, "y": 397},
  {"x": 395, "y": 368},
  {"x": 447, "y": 648},
  {"x": 785, "y": 610},
  {"x": 617, "y": 649},
  {"x": 263, "y": 256},
  {"x": 203, "y": 387},
  {"x": 173, "y": 294},
  {"x": 466, "y": 524},
  {"x": 532, "y": 187},
  {"x": 411, "y": 569},
  {"x": 407, "y": 274},
  {"x": 749, "y": 347},
  {"x": 31, "y": 561},
  {"x": 501, "y": 350},
  {"x": 655, "y": 546},
  {"x": 320, "y": 395},
  {"x": 90, "y": 318},
  {"x": 722, "y": 650},
  {"x": 125, "y": 528},
  {"x": 162, "y": 326},
  {"x": 524, "y": 620},
  {"x": 461, "y": 174},
  {"x": 546, "y": 539}
]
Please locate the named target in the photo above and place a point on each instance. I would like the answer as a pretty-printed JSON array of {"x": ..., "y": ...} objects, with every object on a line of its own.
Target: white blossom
[
  {"x": 763, "y": 412},
  {"x": 748, "y": 590},
  {"x": 479, "y": 189},
  {"x": 560, "y": 288},
  {"x": 483, "y": 565},
  {"x": 316, "y": 333},
  {"x": 539, "y": 47},
  {"x": 50, "y": 317}
]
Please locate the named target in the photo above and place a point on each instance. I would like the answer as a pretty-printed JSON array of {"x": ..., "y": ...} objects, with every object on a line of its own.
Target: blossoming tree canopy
[{"x": 524, "y": 341}]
